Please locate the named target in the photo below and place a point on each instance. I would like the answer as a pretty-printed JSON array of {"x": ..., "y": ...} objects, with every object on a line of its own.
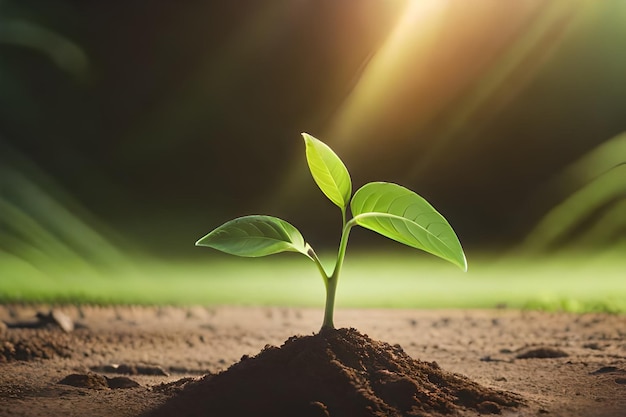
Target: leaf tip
[{"x": 200, "y": 242}]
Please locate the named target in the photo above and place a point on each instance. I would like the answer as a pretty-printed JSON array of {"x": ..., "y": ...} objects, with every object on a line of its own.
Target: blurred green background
[{"x": 130, "y": 129}]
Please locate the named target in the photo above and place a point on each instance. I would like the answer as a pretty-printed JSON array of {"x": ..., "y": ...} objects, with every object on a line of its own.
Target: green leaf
[
  {"x": 400, "y": 214},
  {"x": 254, "y": 236},
  {"x": 329, "y": 172}
]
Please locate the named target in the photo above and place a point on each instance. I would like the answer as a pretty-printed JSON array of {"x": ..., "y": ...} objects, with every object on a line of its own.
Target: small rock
[
  {"x": 3, "y": 327},
  {"x": 54, "y": 317},
  {"x": 62, "y": 320}
]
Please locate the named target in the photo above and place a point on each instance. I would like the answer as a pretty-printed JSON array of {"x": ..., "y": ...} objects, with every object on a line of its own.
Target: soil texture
[
  {"x": 229, "y": 361},
  {"x": 334, "y": 373}
]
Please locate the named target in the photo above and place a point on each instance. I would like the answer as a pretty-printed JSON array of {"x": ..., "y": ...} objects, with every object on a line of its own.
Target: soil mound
[{"x": 334, "y": 373}]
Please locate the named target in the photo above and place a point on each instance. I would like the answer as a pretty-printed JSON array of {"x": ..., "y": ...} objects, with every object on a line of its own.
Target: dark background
[{"x": 152, "y": 122}]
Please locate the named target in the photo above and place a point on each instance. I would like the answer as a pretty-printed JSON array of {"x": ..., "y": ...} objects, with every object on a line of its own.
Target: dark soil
[{"x": 334, "y": 373}]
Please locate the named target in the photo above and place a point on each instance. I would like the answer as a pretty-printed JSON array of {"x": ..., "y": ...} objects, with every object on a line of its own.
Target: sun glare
[
  {"x": 450, "y": 58},
  {"x": 412, "y": 37}
]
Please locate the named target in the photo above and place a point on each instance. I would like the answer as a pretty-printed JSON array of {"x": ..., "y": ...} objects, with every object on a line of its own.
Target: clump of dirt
[
  {"x": 43, "y": 344},
  {"x": 92, "y": 380},
  {"x": 334, "y": 373}
]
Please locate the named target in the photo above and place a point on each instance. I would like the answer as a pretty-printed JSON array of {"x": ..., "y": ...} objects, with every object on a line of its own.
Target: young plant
[{"x": 386, "y": 208}]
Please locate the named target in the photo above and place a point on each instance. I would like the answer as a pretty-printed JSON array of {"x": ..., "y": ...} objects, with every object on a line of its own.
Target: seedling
[{"x": 386, "y": 208}]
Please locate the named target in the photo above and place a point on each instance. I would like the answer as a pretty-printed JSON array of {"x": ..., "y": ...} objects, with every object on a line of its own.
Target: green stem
[
  {"x": 331, "y": 282},
  {"x": 329, "y": 308}
]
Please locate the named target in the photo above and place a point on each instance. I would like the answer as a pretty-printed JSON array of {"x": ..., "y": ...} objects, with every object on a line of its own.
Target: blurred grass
[{"x": 576, "y": 282}]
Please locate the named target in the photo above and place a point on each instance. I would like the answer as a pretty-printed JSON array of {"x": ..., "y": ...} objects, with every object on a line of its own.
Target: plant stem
[
  {"x": 329, "y": 308},
  {"x": 331, "y": 282}
]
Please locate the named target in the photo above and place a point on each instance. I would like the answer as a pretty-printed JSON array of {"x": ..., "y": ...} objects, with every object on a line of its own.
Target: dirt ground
[{"x": 128, "y": 361}]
